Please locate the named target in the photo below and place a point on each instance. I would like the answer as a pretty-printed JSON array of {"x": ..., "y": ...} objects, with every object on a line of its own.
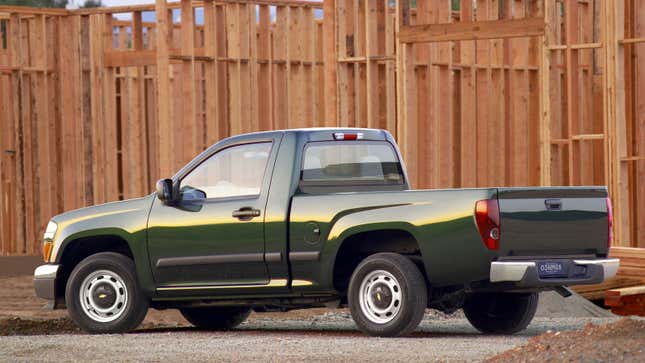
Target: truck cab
[{"x": 321, "y": 217}]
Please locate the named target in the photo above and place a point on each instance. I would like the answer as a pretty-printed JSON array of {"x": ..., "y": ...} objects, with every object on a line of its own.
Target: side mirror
[
  {"x": 165, "y": 190},
  {"x": 193, "y": 195}
]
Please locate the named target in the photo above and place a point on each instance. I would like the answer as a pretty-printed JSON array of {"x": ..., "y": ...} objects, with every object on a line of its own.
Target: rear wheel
[
  {"x": 103, "y": 295},
  {"x": 216, "y": 318},
  {"x": 387, "y": 295},
  {"x": 501, "y": 313}
]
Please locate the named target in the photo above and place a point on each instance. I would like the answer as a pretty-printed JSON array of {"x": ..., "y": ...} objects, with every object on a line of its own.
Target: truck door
[{"x": 214, "y": 236}]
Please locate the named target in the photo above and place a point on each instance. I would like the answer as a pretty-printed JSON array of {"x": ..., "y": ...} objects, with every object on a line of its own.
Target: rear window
[{"x": 352, "y": 162}]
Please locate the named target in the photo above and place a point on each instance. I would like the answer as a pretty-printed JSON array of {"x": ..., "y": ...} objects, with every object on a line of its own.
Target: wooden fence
[{"x": 95, "y": 108}]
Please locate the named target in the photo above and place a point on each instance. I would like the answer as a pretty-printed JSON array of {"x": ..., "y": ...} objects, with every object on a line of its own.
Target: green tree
[
  {"x": 36, "y": 3},
  {"x": 92, "y": 4}
]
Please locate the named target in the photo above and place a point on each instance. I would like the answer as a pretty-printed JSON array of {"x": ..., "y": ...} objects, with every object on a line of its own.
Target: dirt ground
[
  {"x": 622, "y": 341},
  {"x": 315, "y": 335}
]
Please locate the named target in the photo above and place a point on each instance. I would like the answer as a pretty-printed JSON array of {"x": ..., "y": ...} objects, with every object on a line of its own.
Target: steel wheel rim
[
  {"x": 90, "y": 289},
  {"x": 380, "y": 297}
]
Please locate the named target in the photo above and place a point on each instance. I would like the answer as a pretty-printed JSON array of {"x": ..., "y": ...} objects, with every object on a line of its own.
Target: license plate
[{"x": 551, "y": 269}]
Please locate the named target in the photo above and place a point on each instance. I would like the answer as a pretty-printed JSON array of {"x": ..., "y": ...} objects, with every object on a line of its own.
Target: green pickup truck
[{"x": 306, "y": 218}]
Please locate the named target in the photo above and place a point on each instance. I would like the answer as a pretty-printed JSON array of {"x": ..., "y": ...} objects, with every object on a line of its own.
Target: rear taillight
[
  {"x": 610, "y": 222},
  {"x": 348, "y": 136},
  {"x": 487, "y": 218}
]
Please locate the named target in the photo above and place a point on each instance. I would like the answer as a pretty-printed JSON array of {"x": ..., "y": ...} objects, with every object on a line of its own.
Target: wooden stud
[
  {"x": 210, "y": 73},
  {"x": 545, "y": 98},
  {"x": 166, "y": 150},
  {"x": 191, "y": 145},
  {"x": 330, "y": 56},
  {"x": 469, "y": 110},
  {"x": 265, "y": 98},
  {"x": 371, "y": 50}
]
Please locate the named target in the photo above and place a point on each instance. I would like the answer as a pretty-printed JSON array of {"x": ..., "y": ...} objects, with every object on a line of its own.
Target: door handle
[{"x": 246, "y": 213}]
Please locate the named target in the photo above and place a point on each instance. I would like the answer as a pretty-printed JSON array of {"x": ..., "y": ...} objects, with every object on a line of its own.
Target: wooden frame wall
[
  {"x": 95, "y": 109},
  {"x": 500, "y": 92}
]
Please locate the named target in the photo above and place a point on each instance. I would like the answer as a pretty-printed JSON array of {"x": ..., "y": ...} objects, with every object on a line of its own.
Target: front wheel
[
  {"x": 216, "y": 318},
  {"x": 501, "y": 313},
  {"x": 103, "y": 295},
  {"x": 387, "y": 295}
]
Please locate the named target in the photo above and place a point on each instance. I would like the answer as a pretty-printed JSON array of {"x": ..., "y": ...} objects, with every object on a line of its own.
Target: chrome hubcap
[
  {"x": 380, "y": 297},
  {"x": 103, "y": 296}
]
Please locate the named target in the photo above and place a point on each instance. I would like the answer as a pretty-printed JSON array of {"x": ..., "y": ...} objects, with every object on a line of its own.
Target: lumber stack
[
  {"x": 628, "y": 300},
  {"x": 632, "y": 262},
  {"x": 597, "y": 292},
  {"x": 630, "y": 273}
]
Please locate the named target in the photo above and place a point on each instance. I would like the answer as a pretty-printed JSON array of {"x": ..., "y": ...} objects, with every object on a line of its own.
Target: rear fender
[{"x": 353, "y": 224}]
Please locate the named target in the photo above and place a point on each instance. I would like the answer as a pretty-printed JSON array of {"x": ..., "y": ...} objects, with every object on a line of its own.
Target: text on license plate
[{"x": 551, "y": 269}]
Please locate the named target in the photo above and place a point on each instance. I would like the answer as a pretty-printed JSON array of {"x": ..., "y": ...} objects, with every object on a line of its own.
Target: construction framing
[{"x": 96, "y": 104}]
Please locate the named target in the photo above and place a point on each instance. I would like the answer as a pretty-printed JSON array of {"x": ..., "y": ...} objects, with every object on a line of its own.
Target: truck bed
[{"x": 535, "y": 223}]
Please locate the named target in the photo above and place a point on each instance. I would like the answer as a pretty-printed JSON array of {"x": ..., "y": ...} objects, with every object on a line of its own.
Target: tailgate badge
[{"x": 553, "y": 204}]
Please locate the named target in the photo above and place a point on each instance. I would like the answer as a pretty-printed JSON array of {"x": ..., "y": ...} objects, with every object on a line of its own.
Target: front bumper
[
  {"x": 45, "y": 281},
  {"x": 579, "y": 272}
]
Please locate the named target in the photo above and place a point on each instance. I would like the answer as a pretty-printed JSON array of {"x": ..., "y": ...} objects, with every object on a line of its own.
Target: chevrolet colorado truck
[{"x": 305, "y": 218}]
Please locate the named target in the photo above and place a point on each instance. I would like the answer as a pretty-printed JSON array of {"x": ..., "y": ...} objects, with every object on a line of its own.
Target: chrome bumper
[
  {"x": 45, "y": 281},
  {"x": 525, "y": 273}
]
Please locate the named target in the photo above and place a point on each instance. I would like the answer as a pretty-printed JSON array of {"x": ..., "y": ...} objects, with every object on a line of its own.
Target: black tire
[
  {"x": 131, "y": 312},
  {"x": 413, "y": 295},
  {"x": 501, "y": 313},
  {"x": 216, "y": 317}
]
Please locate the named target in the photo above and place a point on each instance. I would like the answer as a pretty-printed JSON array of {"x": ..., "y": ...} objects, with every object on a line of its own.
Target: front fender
[{"x": 126, "y": 220}]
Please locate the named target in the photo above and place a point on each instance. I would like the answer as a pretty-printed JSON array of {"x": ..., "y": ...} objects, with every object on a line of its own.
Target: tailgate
[{"x": 550, "y": 221}]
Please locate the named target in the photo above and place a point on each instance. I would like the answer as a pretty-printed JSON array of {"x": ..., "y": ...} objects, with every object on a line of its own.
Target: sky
[{"x": 150, "y": 17}]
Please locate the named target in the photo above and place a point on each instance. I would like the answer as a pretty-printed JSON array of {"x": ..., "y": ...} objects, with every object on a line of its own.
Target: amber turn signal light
[{"x": 47, "y": 250}]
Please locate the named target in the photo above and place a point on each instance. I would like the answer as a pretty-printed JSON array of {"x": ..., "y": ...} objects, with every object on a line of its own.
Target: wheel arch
[
  {"x": 363, "y": 241},
  {"x": 77, "y": 249}
]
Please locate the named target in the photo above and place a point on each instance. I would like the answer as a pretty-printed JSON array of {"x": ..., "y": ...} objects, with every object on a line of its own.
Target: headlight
[{"x": 50, "y": 231}]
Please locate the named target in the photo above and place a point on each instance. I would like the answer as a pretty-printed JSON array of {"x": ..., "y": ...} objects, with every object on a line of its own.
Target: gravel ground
[
  {"x": 28, "y": 333},
  {"x": 327, "y": 337}
]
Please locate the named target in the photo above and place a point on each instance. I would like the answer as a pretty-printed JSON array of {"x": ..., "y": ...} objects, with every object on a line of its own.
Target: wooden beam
[
  {"x": 133, "y": 58},
  {"x": 210, "y": 73},
  {"x": 189, "y": 106},
  {"x": 330, "y": 56},
  {"x": 615, "y": 119},
  {"x": 371, "y": 49},
  {"x": 390, "y": 70},
  {"x": 545, "y": 98},
  {"x": 470, "y": 114},
  {"x": 164, "y": 117},
  {"x": 32, "y": 11},
  {"x": 491, "y": 29},
  {"x": 177, "y": 4}
]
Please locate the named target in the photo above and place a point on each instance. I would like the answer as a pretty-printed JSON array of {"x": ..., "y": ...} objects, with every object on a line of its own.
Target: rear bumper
[
  {"x": 45, "y": 281},
  {"x": 579, "y": 272}
]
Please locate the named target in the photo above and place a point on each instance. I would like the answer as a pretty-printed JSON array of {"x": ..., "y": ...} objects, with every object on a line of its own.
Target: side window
[{"x": 232, "y": 172}]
